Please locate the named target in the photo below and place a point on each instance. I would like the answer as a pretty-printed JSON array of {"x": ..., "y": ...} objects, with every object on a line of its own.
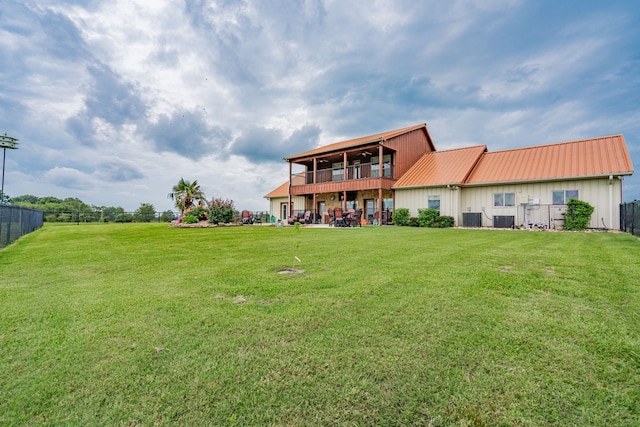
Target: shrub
[
  {"x": 201, "y": 213},
  {"x": 401, "y": 217},
  {"x": 190, "y": 219},
  {"x": 578, "y": 215},
  {"x": 426, "y": 217},
  {"x": 443, "y": 222},
  {"x": 413, "y": 222},
  {"x": 221, "y": 211}
]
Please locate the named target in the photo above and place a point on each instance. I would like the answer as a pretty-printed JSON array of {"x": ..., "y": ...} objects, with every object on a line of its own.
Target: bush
[
  {"x": 413, "y": 222},
  {"x": 221, "y": 211},
  {"x": 443, "y": 222},
  {"x": 190, "y": 219},
  {"x": 578, "y": 215},
  {"x": 401, "y": 217},
  {"x": 201, "y": 213},
  {"x": 426, "y": 217}
]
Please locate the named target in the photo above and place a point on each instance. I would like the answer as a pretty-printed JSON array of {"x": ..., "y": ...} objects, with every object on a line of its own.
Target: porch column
[
  {"x": 315, "y": 171},
  {"x": 380, "y": 205},
  {"x": 314, "y": 209},
  {"x": 381, "y": 174},
  {"x": 344, "y": 177}
]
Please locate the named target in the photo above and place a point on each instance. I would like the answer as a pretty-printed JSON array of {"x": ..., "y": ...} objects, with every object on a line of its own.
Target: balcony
[
  {"x": 364, "y": 176},
  {"x": 354, "y": 172}
]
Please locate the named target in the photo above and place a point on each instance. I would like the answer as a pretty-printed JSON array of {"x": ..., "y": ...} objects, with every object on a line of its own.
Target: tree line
[{"x": 73, "y": 209}]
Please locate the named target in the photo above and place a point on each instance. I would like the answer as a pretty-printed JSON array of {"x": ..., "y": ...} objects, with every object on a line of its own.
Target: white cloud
[{"x": 115, "y": 101}]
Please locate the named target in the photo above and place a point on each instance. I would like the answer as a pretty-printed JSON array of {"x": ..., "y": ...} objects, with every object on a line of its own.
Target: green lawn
[{"x": 142, "y": 324}]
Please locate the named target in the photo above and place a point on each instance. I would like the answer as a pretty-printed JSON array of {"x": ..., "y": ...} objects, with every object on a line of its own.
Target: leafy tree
[
  {"x": 27, "y": 198},
  {"x": 221, "y": 211},
  {"x": 185, "y": 194},
  {"x": 145, "y": 213},
  {"x": 109, "y": 214},
  {"x": 167, "y": 216},
  {"x": 4, "y": 198}
]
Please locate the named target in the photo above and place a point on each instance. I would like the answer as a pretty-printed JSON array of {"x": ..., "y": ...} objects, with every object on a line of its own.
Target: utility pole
[{"x": 10, "y": 143}]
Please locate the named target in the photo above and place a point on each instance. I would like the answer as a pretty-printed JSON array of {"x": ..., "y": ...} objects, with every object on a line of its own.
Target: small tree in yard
[
  {"x": 578, "y": 215},
  {"x": 221, "y": 211},
  {"x": 186, "y": 194},
  {"x": 145, "y": 213}
]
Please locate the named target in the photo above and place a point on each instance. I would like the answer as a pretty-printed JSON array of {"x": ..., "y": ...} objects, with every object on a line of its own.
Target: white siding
[
  {"x": 602, "y": 194},
  {"x": 418, "y": 198},
  {"x": 274, "y": 205}
]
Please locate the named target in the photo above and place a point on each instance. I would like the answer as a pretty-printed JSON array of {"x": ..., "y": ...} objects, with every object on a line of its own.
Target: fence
[
  {"x": 630, "y": 217},
  {"x": 108, "y": 216},
  {"x": 16, "y": 221}
]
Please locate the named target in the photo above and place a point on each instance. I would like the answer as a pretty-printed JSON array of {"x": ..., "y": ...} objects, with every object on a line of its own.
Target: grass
[{"x": 142, "y": 324}]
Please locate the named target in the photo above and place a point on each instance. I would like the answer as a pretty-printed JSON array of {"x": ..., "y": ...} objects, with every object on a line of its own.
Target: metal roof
[
  {"x": 379, "y": 137},
  {"x": 583, "y": 158},
  {"x": 442, "y": 167}
]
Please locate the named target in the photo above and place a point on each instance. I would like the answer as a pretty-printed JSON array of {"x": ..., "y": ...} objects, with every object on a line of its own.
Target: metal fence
[
  {"x": 630, "y": 217},
  {"x": 16, "y": 221}
]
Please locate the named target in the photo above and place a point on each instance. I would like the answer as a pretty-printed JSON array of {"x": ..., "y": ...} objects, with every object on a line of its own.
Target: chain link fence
[{"x": 16, "y": 221}]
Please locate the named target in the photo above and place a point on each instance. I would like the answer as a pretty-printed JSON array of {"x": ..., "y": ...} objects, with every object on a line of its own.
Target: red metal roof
[
  {"x": 283, "y": 190},
  {"x": 361, "y": 141},
  {"x": 584, "y": 158},
  {"x": 442, "y": 167}
]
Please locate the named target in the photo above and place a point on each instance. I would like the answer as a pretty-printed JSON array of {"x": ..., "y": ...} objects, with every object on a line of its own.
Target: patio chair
[
  {"x": 307, "y": 217},
  {"x": 257, "y": 219},
  {"x": 339, "y": 218},
  {"x": 332, "y": 217},
  {"x": 355, "y": 218}
]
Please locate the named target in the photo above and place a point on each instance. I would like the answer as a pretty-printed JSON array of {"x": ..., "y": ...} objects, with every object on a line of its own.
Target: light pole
[{"x": 6, "y": 142}]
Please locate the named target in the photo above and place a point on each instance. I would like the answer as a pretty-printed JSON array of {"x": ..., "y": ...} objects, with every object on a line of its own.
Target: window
[
  {"x": 352, "y": 204},
  {"x": 434, "y": 202},
  {"x": 386, "y": 166},
  {"x": 387, "y": 205},
  {"x": 504, "y": 199},
  {"x": 562, "y": 197},
  {"x": 338, "y": 172}
]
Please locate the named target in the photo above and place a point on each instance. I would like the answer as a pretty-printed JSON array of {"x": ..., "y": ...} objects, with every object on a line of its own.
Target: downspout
[
  {"x": 344, "y": 177},
  {"x": 611, "y": 201}
]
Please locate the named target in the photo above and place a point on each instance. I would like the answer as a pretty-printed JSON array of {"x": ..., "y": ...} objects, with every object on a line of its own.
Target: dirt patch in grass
[{"x": 291, "y": 271}]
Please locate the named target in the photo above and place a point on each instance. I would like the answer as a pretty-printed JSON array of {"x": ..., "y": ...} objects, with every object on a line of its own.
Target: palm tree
[{"x": 186, "y": 194}]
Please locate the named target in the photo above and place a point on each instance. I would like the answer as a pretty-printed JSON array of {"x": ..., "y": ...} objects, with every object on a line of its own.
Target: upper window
[
  {"x": 338, "y": 172},
  {"x": 386, "y": 166},
  {"x": 504, "y": 199},
  {"x": 562, "y": 197},
  {"x": 434, "y": 202}
]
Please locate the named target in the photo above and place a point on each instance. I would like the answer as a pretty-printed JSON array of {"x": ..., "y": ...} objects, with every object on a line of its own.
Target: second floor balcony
[{"x": 350, "y": 173}]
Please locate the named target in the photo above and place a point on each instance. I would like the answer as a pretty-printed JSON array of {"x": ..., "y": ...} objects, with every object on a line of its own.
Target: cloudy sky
[{"x": 113, "y": 101}]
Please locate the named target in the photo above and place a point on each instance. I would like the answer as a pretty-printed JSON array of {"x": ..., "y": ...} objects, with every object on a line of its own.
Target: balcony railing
[{"x": 354, "y": 172}]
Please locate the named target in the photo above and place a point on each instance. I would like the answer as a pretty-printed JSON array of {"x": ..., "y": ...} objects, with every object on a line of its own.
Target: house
[
  {"x": 524, "y": 187},
  {"x": 358, "y": 173}
]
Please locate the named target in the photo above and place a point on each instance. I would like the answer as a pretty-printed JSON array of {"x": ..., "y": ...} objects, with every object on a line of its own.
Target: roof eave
[
  {"x": 417, "y": 186},
  {"x": 335, "y": 150}
]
